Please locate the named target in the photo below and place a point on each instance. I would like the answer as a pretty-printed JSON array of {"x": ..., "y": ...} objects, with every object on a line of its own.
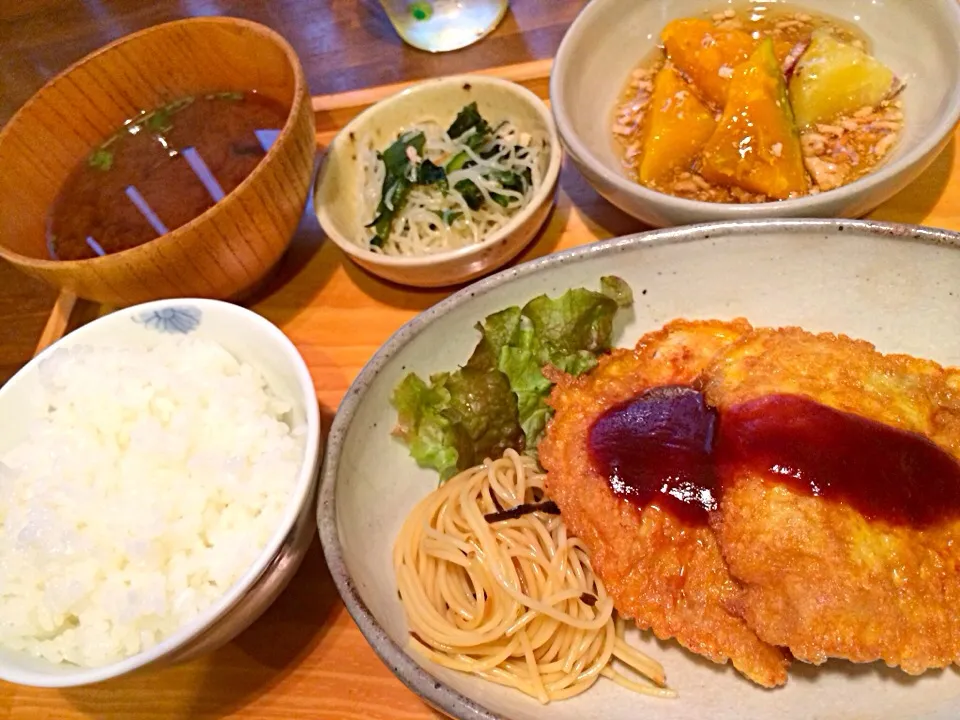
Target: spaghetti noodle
[{"x": 513, "y": 600}]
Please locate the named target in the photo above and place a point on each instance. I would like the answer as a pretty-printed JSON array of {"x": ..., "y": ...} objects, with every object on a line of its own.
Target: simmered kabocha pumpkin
[
  {"x": 834, "y": 78},
  {"x": 676, "y": 127},
  {"x": 770, "y": 76},
  {"x": 706, "y": 54},
  {"x": 756, "y": 145}
]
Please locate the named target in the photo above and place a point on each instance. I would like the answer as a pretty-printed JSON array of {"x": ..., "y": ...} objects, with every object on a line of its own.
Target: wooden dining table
[
  {"x": 343, "y": 45},
  {"x": 305, "y": 658}
]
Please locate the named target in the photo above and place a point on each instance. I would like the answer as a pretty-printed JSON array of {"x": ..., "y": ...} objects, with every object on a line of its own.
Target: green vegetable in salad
[
  {"x": 396, "y": 184},
  {"x": 449, "y": 217},
  {"x": 459, "y": 161},
  {"x": 617, "y": 290},
  {"x": 431, "y": 174},
  {"x": 469, "y": 119},
  {"x": 405, "y": 169},
  {"x": 471, "y": 194},
  {"x": 498, "y": 399},
  {"x": 568, "y": 333},
  {"x": 460, "y": 417}
]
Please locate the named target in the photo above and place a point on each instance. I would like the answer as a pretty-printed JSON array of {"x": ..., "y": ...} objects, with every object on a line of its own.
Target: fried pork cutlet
[
  {"x": 665, "y": 573},
  {"x": 818, "y": 576}
]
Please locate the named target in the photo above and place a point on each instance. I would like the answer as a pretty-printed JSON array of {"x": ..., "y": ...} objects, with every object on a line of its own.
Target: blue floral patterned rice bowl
[{"x": 252, "y": 340}]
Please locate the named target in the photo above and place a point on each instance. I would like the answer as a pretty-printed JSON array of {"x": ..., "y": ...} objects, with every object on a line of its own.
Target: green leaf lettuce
[{"x": 498, "y": 399}]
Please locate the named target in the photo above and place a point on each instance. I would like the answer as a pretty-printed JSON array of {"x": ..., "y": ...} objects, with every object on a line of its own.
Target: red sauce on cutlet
[
  {"x": 658, "y": 449},
  {"x": 668, "y": 448}
]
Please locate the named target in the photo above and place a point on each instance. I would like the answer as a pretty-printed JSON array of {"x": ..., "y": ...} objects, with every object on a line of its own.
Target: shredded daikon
[{"x": 434, "y": 218}]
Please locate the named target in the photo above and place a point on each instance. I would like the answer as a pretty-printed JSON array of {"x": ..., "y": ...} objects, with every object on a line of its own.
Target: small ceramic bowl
[
  {"x": 251, "y": 339},
  {"x": 338, "y": 203},
  {"x": 222, "y": 252},
  {"x": 918, "y": 40}
]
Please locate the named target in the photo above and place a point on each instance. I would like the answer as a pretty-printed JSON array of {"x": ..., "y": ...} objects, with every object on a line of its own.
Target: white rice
[{"x": 147, "y": 485}]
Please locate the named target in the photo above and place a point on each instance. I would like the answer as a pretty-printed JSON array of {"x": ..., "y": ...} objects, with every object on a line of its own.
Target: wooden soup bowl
[{"x": 218, "y": 254}]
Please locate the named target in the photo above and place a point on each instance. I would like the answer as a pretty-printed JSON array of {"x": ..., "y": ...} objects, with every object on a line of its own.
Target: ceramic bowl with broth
[
  {"x": 915, "y": 40},
  {"x": 119, "y": 193}
]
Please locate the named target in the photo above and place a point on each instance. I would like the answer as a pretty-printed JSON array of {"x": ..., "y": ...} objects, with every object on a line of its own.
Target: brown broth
[
  {"x": 834, "y": 154},
  {"x": 155, "y": 155}
]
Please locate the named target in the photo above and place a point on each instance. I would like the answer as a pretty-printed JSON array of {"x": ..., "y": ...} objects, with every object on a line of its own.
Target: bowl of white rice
[
  {"x": 441, "y": 183},
  {"x": 157, "y": 477}
]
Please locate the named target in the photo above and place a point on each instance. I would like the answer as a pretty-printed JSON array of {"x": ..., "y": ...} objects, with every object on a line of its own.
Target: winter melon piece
[{"x": 834, "y": 78}]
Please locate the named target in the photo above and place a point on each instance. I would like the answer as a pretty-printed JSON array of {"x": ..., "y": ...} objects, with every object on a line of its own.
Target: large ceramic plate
[{"x": 896, "y": 286}]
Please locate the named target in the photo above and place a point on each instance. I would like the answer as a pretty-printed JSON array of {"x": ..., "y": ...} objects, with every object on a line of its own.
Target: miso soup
[{"x": 159, "y": 171}]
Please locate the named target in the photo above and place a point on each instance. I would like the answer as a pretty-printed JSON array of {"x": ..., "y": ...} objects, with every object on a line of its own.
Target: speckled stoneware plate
[{"x": 894, "y": 285}]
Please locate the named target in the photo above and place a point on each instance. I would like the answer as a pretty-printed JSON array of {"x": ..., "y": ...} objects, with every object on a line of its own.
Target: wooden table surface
[
  {"x": 305, "y": 658},
  {"x": 343, "y": 45}
]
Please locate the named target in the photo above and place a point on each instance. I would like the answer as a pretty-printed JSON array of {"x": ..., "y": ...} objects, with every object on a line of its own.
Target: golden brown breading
[
  {"x": 666, "y": 575},
  {"x": 817, "y": 576},
  {"x": 845, "y": 374}
]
